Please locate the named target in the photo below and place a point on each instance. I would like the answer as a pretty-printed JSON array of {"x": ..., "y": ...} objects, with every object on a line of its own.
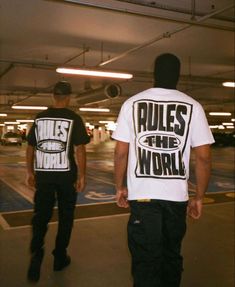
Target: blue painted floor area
[
  {"x": 100, "y": 181},
  {"x": 96, "y": 193},
  {"x": 11, "y": 200}
]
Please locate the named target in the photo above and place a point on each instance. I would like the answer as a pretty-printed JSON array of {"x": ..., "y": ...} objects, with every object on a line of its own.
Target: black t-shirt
[{"x": 54, "y": 134}]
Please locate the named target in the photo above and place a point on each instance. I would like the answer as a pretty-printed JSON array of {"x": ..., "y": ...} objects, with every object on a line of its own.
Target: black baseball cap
[{"x": 62, "y": 88}]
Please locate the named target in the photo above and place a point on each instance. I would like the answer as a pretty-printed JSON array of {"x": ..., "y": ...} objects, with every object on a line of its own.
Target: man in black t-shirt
[{"x": 56, "y": 166}]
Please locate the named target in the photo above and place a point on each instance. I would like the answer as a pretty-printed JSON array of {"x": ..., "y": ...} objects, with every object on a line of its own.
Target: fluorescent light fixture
[
  {"x": 214, "y": 127},
  {"x": 2, "y": 125},
  {"x": 94, "y": 110},
  {"x": 219, "y": 114},
  {"x": 229, "y": 84},
  {"x": 3, "y": 115},
  {"x": 106, "y": 122},
  {"x": 25, "y": 121},
  {"x": 85, "y": 72},
  {"x": 232, "y": 120},
  {"x": 227, "y": 124},
  {"x": 11, "y": 123},
  {"x": 229, "y": 127},
  {"x": 29, "y": 108},
  {"x": 220, "y": 127}
]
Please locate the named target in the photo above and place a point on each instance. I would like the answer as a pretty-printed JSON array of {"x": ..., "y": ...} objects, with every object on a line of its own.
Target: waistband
[{"x": 149, "y": 200}]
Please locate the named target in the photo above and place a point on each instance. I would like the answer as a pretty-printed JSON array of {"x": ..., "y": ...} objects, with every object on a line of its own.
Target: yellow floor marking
[{"x": 230, "y": 194}]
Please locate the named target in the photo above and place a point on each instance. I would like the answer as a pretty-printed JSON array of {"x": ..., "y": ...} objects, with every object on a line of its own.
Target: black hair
[
  {"x": 62, "y": 88},
  {"x": 166, "y": 71}
]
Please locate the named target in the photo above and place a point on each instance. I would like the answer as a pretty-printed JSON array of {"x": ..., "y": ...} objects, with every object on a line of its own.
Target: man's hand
[
  {"x": 121, "y": 197},
  {"x": 195, "y": 208},
  {"x": 80, "y": 184},
  {"x": 30, "y": 179}
]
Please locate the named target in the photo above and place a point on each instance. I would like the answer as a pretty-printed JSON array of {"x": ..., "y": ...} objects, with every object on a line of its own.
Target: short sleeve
[
  {"x": 80, "y": 135},
  {"x": 31, "y": 137},
  {"x": 200, "y": 131},
  {"x": 122, "y": 132}
]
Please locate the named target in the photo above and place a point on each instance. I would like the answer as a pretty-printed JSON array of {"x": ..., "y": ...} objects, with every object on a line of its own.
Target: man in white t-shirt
[{"x": 156, "y": 130}]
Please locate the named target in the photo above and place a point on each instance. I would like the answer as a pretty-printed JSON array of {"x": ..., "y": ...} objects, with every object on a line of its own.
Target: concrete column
[
  {"x": 96, "y": 137},
  {"x": 15, "y": 129},
  {"x": 4, "y": 129},
  {"x": 102, "y": 134},
  {"x": 29, "y": 125}
]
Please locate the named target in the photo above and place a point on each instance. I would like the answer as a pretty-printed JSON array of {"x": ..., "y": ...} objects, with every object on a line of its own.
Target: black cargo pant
[
  {"x": 45, "y": 197},
  {"x": 155, "y": 233}
]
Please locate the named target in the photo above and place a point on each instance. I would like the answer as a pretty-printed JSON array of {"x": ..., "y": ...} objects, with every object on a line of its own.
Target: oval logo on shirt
[
  {"x": 159, "y": 142},
  {"x": 51, "y": 146}
]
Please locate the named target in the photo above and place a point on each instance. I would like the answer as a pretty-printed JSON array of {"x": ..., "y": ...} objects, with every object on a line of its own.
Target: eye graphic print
[
  {"x": 155, "y": 141},
  {"x": 51, "y": 146}
]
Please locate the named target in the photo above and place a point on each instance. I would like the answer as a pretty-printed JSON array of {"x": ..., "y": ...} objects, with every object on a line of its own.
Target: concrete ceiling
[{"x": 38, "y": 36}]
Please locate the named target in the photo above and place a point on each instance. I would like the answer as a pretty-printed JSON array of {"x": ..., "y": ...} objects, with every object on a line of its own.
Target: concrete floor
[{"x": 100, "y": 256}]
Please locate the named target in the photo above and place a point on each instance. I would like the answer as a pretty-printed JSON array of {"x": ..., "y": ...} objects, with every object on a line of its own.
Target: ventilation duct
[{"x": 109, "y": 91}]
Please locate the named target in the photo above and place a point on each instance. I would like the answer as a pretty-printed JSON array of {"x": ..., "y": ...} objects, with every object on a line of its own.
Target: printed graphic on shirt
[
  {"x": 161, "y": 134},
  {"x": 53, "y": 136}
]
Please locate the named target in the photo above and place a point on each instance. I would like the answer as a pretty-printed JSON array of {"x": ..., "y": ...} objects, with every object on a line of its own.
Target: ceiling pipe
[
  {"x": 165, "y": 35},
  {"x": 28, "y": 64},
  {"x": 85, "y": 50},
  {"x": 137, "y": 74},
  {"x": 10, "y": 67}
]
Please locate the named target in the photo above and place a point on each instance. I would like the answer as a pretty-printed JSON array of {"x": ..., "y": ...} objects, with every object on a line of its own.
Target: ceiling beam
[
  {"x": 157, "y": 12},
  {"x": 164, "y": 35}
]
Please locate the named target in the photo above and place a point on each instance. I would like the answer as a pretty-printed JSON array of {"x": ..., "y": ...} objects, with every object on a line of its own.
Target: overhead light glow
[
  {"x": 94, "y": 110},
  {"x": 85, "y": 72},
  {"x": 25, "y": 121},
  {"x": 221, "y": 127},
  {"x": 29, "y": 107},
  {"x": 111, "y": 126},
  {"x": 89, "y": 126},
  {"x": 214, "y": 127},
  {"x": 11, "y": 123},
  {"x": 227, "y": 124},
  {"x": 3, "y": 115},
  {"x": 2, "y": 125},
  {"x": 232, "y": 120},
  {"x": 106, "y": 122},
  {"x": 229, "y": 127},
  {"x": 219, "y": 114},
  {"x": 229, "y": 84}
]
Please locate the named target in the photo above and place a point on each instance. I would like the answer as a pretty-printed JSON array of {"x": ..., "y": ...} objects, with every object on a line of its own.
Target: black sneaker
[
  {"x": 33, "y": 274},
  {"x": 61, "y": 262}
]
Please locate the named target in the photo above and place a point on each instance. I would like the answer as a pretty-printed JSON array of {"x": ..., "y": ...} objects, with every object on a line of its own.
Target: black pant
[
  {"x": 45, "y": 197},
  {"x": 155, "y": 233}
]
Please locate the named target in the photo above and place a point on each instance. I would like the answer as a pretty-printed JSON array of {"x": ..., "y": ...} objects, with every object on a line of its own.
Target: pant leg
[
  {"x": 44, "y": 201},
  {"x": 66, "y": 196},
  {"x": 174, "y": 228},
  {"x": 145, "y": 243}
]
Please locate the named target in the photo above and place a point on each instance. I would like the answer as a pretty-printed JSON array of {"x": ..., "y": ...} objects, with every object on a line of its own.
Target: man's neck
[
  {"x": 165, "y": 87},
  {"x": 59, "y": 105}
]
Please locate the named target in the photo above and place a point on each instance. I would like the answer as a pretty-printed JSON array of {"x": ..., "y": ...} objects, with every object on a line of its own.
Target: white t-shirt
[{"x": 161, "y": 126}]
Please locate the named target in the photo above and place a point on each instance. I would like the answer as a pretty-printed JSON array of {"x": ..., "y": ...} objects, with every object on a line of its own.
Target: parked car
[{"x": 11, "y": 138}]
